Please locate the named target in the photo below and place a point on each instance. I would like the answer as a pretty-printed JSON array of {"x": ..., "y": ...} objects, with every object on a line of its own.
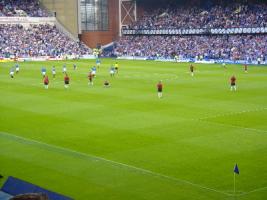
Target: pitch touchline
[
  {"x": 154, "y": 174},
  {"x": 234, "y": 126},
  {"x": 233, "y": 113}
]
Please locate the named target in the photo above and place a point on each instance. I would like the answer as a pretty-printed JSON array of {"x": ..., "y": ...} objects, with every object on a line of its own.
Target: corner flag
[{"x": 236, "y": 170}]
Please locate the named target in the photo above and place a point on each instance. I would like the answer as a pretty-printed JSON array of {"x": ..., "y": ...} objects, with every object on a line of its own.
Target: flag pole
[
  {"x": 236, "y": 171},
  {"x": 234, "y": 186}
]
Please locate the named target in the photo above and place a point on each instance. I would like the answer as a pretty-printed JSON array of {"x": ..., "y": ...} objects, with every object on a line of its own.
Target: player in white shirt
[
  {"x": 12, "y": 72},
  {"x": 112, "y": 71},
  {"x": 93, "y": 71},
  {"x": 64, "y": 69},
  {"x": 54, "y": 71},
  {"x": 17, "y": 68}
]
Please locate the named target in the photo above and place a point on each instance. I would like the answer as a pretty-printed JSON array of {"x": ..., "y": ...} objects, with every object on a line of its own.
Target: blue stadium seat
[{"x": 14, "y": 186}]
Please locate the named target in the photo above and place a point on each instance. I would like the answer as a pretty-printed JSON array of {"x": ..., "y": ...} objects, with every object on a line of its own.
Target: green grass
[{"x": 123, "y": 142}]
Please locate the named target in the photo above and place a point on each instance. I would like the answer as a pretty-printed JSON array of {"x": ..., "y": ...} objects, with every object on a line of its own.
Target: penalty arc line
[{"x": 144, "y": 171}]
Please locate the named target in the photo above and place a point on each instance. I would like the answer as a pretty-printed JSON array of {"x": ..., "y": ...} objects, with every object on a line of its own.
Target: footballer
[
  {"x": 116, "y": 67},
  {"x": 246, "y": 68},
  {"x": 93, "y": 70},
  {"x": 233, "y": 83},
  {"x": 90, "y": 77},
  {"x": 160, "y": 88},
  {"x": 54, "y": 71},
  {"x": 191, "y": 68},
  {"x": 66, "y": 81},
  {"x": 43, "y": 71},
  {"x": 64, "y": 69},
  {"x": 112, "y": 71},
  {"x": 17, "y": 68},
  {"x": 46, "y": 82},
  {"x": 11, "y": 73},
  {"x": 98, "y": 62}
]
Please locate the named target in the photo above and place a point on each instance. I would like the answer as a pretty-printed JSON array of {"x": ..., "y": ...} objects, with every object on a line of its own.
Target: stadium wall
[
  {"x": 93, "y": 38},
  {"x": 66, "y": 13}
]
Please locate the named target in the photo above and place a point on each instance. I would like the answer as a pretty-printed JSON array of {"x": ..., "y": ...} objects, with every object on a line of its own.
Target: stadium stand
[
  {"x": 34, "y": 33},
  {"x": 222, "y": 31},
  {"x": 29, "y": 8},
  {"x": 14, "y": 186},
  {"x": 30, "y": 196},
  {"x": 219, "y": 16},
  {"x": 234, "y": 47},
  {"x": 37, "y": 40}
]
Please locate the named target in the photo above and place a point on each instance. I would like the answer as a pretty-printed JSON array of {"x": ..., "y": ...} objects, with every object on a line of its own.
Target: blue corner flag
[{"x": 236, "y": 170}]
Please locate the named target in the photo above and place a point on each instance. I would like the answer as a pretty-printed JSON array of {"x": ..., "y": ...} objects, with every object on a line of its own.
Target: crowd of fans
[
  {"x": 37, "y": 40},
  {"x": 219, "y": 16},
  {"x": 29, "y": 8},
  {"x": 46, "y": 40},
  {"x": 234, "y": 47}
]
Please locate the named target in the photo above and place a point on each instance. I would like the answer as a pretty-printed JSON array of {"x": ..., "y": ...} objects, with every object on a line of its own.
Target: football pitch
[{"x": 123, "y": 142}]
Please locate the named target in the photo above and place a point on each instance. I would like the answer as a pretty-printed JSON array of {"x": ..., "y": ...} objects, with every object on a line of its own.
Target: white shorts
[
  {"x": 43, "y": 73},
  {"x": 53, "y": 72},
  {"x": 64, "y": 70},
  {"x": 17, "y": 69},
  {"x": 11, "y": 73},
  {"x": 93, "y": 72},
  {"x": 112, "y": 72}
]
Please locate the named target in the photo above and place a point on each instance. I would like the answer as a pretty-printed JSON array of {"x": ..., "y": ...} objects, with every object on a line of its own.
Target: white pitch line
[
  {"x": 252, "y": 191},
  {"x": 205, "y": 119},
  {"x": 234, "y": 126},
  {"x": 233, "y": 113},
  {"x": 145, "y": 171}
]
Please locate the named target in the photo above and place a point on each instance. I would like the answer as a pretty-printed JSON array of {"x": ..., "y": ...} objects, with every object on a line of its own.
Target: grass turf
[{"x": 123, "y": 142}]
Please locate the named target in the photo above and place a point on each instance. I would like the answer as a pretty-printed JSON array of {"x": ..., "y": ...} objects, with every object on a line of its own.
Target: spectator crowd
[
  {"x": 219, "y": 16},
  {"x": 29, "y": 8},
  {"x": 46, "y": 40},
  {"x": 234, "y": 47},
  {"x": 231, "y": 15},
  {"x": 37, "y": 40}
]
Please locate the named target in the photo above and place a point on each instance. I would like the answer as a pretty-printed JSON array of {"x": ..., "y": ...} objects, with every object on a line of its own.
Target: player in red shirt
[
  {"x": 191, "y": 68},
  {"x": 66, "y": 81},
  {"x": 90, "y": 77},
  {"x": 159, "y": 87},
  {"x": 46, "y": 82},
  {"x": 246, "y": 68},
  {"x": 233, "y": 83}
]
